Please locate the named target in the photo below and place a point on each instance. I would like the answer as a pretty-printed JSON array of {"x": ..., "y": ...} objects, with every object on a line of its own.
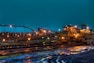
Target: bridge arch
[{"x": 15, "y": 28}]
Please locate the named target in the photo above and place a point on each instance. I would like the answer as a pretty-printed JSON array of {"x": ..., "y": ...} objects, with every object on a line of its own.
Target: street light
[
  {"x": 28, "y": 39},
  {"x": 87, "y": 28},
  {"x": 59, "y": 29},
  {"x": 62, "y": 38},
  {"x": 3, "y": 40},
  {"x": 44, "y": 31},
  {"x": 75, "y": 26},
  {"x": 76, "y": 35},
  {"x": 48, "y": 38},
  {"x": 10, "y": 26}
]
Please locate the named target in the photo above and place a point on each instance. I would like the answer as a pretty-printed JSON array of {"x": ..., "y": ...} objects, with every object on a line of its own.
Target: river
[{"x": 36, "y": 57}]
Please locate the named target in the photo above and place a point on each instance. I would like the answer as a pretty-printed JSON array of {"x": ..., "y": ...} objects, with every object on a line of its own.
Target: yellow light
[
  {"x": 62, "y": 38},
  {"x": 85, "y": 30},
  {"x": 44, "y": 31},
  {"x": 3, "y": 40},
  {"x": 48, "y": 38},
  {"x": 76, "y": 35},
  {"x": 82, "y": 31},
  {"x": 29, "y": 39}
]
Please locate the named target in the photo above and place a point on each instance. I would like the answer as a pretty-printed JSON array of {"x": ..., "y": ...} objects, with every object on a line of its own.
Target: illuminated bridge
[
  {"x": 15, "y": 28},
  {"x": 17, "y": 33}
]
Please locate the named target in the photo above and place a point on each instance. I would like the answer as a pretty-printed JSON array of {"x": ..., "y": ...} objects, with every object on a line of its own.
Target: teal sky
[{"x": 52, "y": 14}]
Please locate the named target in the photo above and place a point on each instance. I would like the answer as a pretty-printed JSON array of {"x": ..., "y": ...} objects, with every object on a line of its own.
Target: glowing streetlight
[
  {"x": 44, "y": 31},
  {"x": 28, "y": 39},
  {"x": 48, "y": 38},
  {"x": 76, "y": 35},
  {"x": 59, "y": 29},
  {"x": 75, "y": 26},
  {"x": 62, "y": 38},
  {"x": 87, "y": 28},
  {"x": 3, "y": 40},
  {"x": 10, "y": 26}
]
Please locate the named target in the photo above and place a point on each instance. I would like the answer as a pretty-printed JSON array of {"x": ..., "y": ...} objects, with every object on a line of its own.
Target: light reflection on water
[
  {"x": 33, "y": 57},
  {"x": 20, "y": 61},
  {"x": 28, "y": 61},
  {"x": 25, "y": 58}
]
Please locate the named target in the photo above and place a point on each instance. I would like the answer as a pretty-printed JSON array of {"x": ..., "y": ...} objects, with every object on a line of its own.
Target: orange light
[
  {"x": 76, "y": 35},
  {"x": 3, "y": 40},
  {"x": 29, "y": 39},
  {"x": 85, "y": 31},
  {"x": 62, "y": 38},
  {"x": 82, "y": 30},
  {"x": 44, "y": 31}
]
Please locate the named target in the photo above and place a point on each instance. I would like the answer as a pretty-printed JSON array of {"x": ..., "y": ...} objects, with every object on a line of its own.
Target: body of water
[{"x": 38, "y": 57}]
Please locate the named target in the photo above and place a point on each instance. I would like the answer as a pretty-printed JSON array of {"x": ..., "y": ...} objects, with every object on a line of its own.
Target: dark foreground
[
  {"x": 86, "y": 57},
  {"x": 50, "y": 57}
]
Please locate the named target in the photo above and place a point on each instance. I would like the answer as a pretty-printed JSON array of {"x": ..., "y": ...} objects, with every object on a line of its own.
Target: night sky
[{"x": 51, "y": 14}]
